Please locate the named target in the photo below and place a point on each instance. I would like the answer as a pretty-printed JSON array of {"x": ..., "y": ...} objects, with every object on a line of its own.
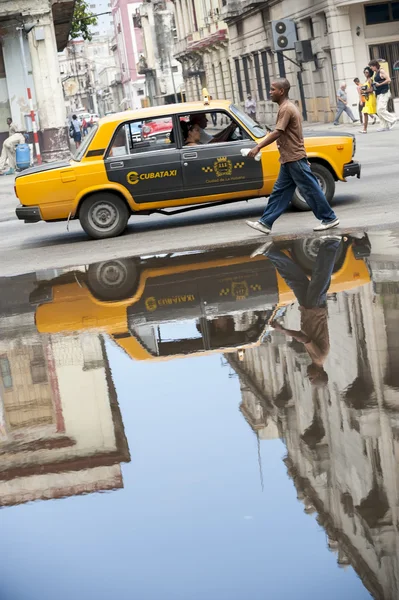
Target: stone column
[{"x": 49, "y": 95}]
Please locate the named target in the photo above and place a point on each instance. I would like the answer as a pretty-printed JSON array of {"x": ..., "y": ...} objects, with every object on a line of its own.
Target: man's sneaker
[
  {"x": 392, "y": 125},
  {"x": 383, "y": 129},
  {"x": 259, "y": 227},
  {"x": 263, "y": 249},
  {"x": 9, "y": 172},
  {"x": 326, "y": 225}
]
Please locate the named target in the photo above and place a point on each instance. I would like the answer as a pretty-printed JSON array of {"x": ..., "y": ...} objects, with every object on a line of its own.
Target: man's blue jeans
[
  {"x": 309, "y": 293},
  {"x": 293, "y": 175}
]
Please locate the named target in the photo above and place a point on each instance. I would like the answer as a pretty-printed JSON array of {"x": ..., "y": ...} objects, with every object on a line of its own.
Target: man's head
[
  {"x": 279, "y": 90},
  {"x": 343, "y": 86},
  {"x": 74, "y": 117},
  {"x": 375, "y": 65},
  {"x": 9, "y": 121},
  {"x": 249, "y": 97},
  {"x": 356, "y": 80},
  {"x": 317, "y": 376},
  {"x": 199, "y": 119}
]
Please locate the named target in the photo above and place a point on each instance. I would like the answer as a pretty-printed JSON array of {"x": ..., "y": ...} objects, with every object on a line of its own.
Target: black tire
[
  {"x": 305, "y": 252},
  {"x": 327, "y": 183},
  {"x": 103, "y": 216},
  {"x": 113, "y": 280}
]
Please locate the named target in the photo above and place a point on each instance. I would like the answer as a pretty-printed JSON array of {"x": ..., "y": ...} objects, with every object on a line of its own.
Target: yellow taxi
[
  {"x": 160, "y": 307},
  {"x": 160, "y": 158}
]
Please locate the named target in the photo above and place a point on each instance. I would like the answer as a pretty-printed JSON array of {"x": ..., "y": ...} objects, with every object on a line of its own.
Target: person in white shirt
[
  {"x": 250, "y": 107},
  {"x": 9, "y": 148}
]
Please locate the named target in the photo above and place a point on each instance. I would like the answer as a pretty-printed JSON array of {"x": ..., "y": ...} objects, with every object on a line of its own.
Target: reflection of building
[
  {"x": 343, "y": 440},
  {"x": 61, "y": 432}
]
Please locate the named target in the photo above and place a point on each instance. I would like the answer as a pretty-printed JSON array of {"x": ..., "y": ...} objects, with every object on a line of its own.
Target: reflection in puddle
[{"x": 308, "y": 327}]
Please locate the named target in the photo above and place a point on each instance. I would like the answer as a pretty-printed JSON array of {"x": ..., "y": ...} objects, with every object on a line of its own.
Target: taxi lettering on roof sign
[{"x": 149, "y": 160}]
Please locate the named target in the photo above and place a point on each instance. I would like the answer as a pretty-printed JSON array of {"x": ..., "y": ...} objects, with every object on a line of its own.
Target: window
[
  {"x": 253, "y": 127},
  {"x": 143, "y": 136},
  {"x": 325, "y": 20},
  {"x": 258, "y": 77},
  {"x": 212, "y": 127},
  {"x": 140, "y": 92},
  {"x": 383, "y": 12},
  {"x": 5, "y": 372},
  {"x": 175, "y": 69},
  {"x": 240, "y": 29},
  {"x": 311, "y": 29},
  {"x": 239, "y": 82},
  {"x": 266, "y": 75},
  {"x": 92, "y": 6},
  {"x": 38, "y": 365},
  {"x": 246, "y": 64}
]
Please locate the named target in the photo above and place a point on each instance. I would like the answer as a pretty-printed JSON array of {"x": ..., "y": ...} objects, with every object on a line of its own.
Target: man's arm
[
  {"x": 385, "y": 77},
  {"x": 269, "y": 139}
]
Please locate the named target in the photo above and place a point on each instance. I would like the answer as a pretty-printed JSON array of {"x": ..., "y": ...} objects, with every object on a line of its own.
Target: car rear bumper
[
  {"x": 352, "y": 169},
  {"x": 29, "y": 214}
]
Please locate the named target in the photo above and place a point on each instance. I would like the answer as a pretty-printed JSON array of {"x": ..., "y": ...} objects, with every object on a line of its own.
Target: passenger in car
[
  {"x": 205, "y": 138},
  {"x": 191, "y": 134}
]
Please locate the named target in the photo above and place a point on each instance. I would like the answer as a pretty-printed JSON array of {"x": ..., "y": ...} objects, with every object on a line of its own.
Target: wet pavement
[{"x": 204, "y": 424}]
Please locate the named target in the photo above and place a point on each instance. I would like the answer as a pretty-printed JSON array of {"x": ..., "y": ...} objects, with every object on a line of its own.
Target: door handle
[
  {"x": 189, "y": 155},
  {"x": 117, "y": 165}
]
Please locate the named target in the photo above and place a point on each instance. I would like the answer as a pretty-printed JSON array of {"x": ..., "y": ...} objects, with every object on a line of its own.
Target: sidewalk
[{"x": 8, "y": 199}]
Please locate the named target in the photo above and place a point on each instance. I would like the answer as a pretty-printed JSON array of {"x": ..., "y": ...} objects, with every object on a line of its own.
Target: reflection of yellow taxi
[
  {"x": 137, "y": 163},
  {"x": 184, "y": 303}
]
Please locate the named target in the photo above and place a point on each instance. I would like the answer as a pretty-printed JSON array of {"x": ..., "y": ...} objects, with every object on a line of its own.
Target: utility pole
[{"x": 25, "y": 29}]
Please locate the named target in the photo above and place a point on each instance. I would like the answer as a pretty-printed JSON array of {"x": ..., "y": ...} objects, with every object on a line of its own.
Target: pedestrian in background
[
  {"x": 75, "y": 131},
  {"x": 381, "y": 86},
  {"x": 250, "y": 107},
  {"x": 10, "y": 144},
  {"x": 362, "y": 99},
  {"x": 342, "y": 105},
  {"x": 295, "y": 169},
  {"x": 370, "y": 101},
  {"x": 84, "y": 127}
]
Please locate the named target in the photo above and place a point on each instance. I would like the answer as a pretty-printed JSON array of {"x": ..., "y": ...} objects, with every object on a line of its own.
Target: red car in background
[{"x": 158, "y": 130}]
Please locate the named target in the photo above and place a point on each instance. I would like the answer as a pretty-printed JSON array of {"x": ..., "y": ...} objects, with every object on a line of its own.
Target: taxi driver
[{"x": 205, "y": 138}]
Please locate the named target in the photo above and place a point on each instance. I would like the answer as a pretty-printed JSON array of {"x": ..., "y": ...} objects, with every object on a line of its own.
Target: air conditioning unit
[{"x": 284, "y": 34}]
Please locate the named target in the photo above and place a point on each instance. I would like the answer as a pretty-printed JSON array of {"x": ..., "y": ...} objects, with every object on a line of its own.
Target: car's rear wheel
[
  {"x": 103, "y": 215},
  {"x": 305, "y": 252},
  {"x": 113, "y": 280},
  {"x": 326, "y": 181}
]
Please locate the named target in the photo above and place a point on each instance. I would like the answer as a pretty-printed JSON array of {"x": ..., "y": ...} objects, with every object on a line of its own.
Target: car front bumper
[
  {"x": 29, "y": 214},
  {"x": 352, "y": 169}
]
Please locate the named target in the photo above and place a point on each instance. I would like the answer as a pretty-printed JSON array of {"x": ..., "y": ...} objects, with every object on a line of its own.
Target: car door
[
  {"x": 144, "y": 158},
  {"x": 220, "y": 168}
]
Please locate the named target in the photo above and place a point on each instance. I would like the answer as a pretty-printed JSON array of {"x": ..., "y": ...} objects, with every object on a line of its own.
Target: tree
[{"x": 82, "y": 19}]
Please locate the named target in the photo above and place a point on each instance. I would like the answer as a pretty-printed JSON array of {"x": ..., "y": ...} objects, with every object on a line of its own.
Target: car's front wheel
[
  {"x": 103, "y": 215},
  {"x": 326, "y": 181}
]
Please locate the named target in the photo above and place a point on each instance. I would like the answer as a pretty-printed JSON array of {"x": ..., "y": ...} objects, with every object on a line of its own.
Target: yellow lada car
[{"x": 160, "y": 158}]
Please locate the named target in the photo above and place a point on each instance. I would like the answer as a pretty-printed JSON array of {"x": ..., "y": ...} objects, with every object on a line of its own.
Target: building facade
[
  {"x": 202, "y": 48},
  {"x": 344, "y": 35},
  {"x": 163, "y": 73},
  {"x": 129, "y": 45},
  {"x": 49, "y": 25}
]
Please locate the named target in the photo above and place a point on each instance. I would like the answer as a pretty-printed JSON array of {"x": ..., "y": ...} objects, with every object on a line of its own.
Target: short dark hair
[
  {"x": 74, "y": 117},
  {"x": 356, "y": 80},
  {"x": 374, "y": 63},
  {"x": 283, "y": 84}
]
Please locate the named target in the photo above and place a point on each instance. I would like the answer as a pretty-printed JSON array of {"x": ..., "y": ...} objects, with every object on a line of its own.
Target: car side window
[
  {"x": 144, "y": 135},
  {"x": 210, "y": 127}
]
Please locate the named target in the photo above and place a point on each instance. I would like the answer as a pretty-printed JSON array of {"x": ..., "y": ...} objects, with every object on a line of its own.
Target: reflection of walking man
[
  {"x": 9, "y": 148},
  {"x": 342, "y": 105},
  {"x": 312, "y": 298}
]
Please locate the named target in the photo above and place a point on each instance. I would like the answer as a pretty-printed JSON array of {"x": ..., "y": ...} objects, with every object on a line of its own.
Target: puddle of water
[{"x": 203, "y": 425}]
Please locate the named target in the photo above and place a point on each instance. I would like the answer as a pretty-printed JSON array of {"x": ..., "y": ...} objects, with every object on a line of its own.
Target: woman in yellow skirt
[{"x": 370, "y": 100}]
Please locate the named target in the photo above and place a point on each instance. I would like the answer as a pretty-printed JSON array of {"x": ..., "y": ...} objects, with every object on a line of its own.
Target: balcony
[
  {"x": 200, "y": 40},
  {"x": 232, "y": 9}
]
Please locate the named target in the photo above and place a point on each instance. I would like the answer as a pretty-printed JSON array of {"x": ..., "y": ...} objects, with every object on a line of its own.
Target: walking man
[
  {"x": 250, "y": 107},
  {"x": 75, "y": 131},
  {"x": 381, "y": 83},
  {"x": 295, "y": 169},
  {"x": 9, "y": 148},
  {"x": 342, "y": 105}
]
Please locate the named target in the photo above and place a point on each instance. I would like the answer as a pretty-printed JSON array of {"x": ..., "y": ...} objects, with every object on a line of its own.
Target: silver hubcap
[
  {"x": 112, "y": 275},
  {"x": 311, "y": 248},
  {"x": 322, "y": 184},
  {"x": 103, "y": 216}
]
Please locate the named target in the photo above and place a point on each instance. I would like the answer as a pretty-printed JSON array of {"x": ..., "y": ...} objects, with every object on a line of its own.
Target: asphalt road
[{"x": 372, "y": 201}]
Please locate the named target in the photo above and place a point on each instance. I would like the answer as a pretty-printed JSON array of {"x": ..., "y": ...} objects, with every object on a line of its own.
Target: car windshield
[
  {"x": 81, "y": 151},
  {"x": 253, "y": 127}
]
